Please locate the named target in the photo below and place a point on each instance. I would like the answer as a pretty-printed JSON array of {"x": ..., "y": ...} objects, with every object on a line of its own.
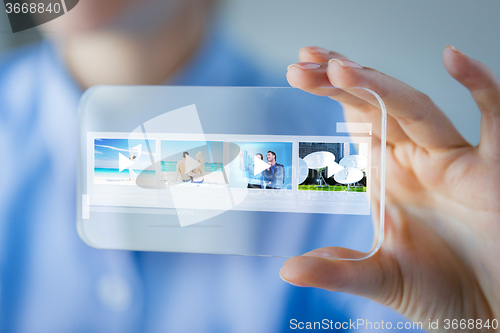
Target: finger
[
  {"x": 371, "y": 278},
  {"x": 312, "y": 77},
  {"x": 424, "y": 123},
  {"x": 484, "y": 88},
  {"x": 308, "y": 76},
  {"x": 318, "y": 54}
]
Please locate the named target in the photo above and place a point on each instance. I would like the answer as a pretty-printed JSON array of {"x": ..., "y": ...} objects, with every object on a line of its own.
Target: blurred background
[{"x": 403, "y": 39}]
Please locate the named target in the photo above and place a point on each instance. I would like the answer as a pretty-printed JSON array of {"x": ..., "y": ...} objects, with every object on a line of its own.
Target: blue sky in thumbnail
[{"x": 106, "y": 152}]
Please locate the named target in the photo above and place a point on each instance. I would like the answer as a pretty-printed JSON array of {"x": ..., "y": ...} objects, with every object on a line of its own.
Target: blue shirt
[{"x": 50, "y": 281}]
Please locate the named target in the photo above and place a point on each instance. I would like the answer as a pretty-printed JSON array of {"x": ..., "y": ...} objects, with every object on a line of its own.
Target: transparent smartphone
[{"x": 231, "y": 170}]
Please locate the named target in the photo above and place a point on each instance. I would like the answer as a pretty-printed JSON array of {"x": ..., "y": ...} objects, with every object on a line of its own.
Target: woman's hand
[{"x": 441, "y": 254}]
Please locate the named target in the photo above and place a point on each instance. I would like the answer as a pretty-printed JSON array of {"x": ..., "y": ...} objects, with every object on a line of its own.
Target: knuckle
[{"x": 421, "y": 106}]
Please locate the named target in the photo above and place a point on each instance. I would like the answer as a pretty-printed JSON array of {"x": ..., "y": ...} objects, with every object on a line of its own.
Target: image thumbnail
[
  {"x": 332, "y": 166},
  {"x": 262, "y": 165},
  {"x": 192, "y": 163},
  {"x": 120, "y": 161}
]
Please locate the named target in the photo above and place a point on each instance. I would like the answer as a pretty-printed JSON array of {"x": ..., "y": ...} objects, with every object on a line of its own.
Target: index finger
[{"x": 424, "y": 123}]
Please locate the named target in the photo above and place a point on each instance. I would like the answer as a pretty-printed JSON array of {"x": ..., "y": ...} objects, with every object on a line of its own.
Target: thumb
[{"x": 376, "y": 278}]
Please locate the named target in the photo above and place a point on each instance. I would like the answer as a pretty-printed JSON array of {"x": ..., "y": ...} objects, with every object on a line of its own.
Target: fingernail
[
  {"x": 346, "y": 63},
  {"x": 316, "y": 49},
  {"x": 292, "y": 283},
  {"x": 305, "y": 65},
  {"x": 454, "y": 49}
]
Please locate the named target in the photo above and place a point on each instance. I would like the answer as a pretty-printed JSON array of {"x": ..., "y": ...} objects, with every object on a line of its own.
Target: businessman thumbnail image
[
  {"x": 262, "y": 165},
  {"x": 192, "y": 163},
  {"x": 120, "y": 161}
]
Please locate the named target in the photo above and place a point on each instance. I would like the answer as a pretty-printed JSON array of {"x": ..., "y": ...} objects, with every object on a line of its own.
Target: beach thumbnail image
[
  {"x": 192, "y": 163},
  {"x": 328, "y": 166},
  {"x": 121, "y": 161},
  {"x": 262, "y": 165}
]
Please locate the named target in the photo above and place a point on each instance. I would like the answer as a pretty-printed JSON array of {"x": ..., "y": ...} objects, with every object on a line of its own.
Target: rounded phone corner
[
  {"x": 82, "y": 235},
  {"x": 87, "y": 94}
]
